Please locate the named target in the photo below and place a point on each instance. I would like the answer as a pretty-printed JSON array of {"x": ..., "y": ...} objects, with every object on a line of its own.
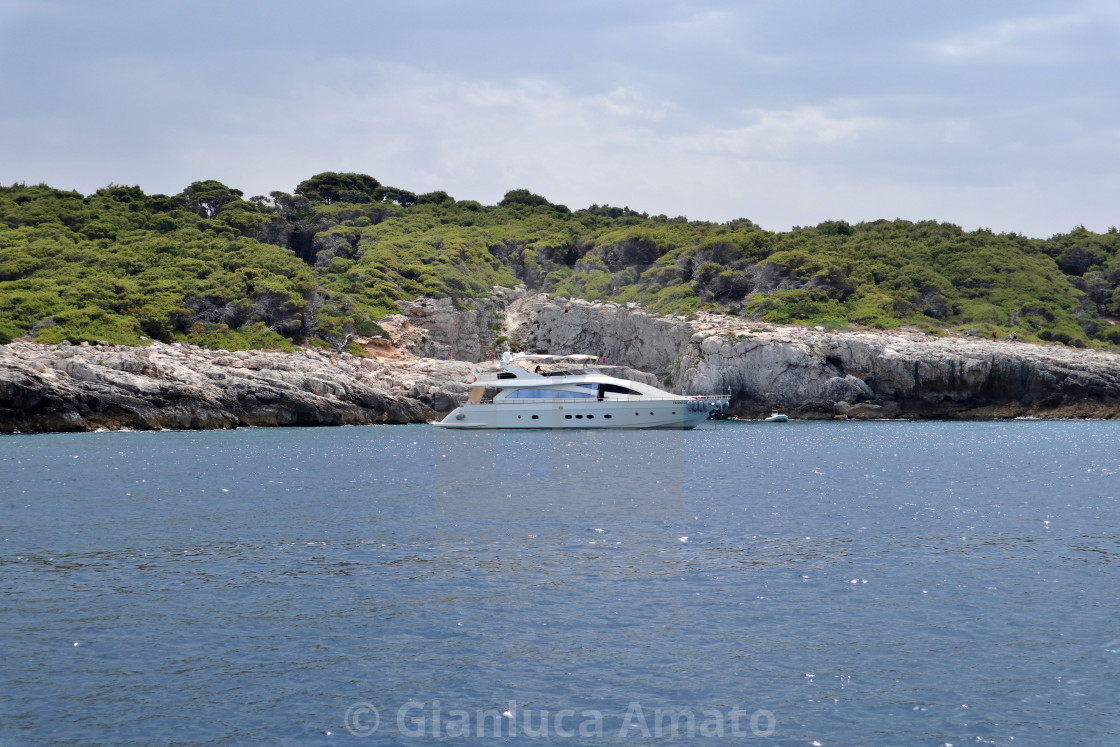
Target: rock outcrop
[
  {"x": 447, "y": 332},
  {"x": 809, "y": 373},
  {"x": 869, "y": 374},
  {"x": 437, "y": 328},
  {"x": 623, "y": 336},
  {"x": 68, "y": 388},
  {"x": 814, "y": 373}
]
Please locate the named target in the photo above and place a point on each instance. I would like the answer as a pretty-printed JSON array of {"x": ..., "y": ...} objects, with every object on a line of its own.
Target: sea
[{"x": 806, "y": 583}]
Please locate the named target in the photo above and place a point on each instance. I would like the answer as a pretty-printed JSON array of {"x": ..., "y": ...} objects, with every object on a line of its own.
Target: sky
[{"x": 999, "y": 114}]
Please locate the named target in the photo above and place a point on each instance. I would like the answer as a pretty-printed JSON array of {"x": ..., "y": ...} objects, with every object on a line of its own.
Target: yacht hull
[{"x": 667, "y": 413}]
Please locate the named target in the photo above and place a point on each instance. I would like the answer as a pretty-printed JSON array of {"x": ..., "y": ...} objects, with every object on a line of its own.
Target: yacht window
[
  {"x": 608, "y": 417},
  {"x": 546, "y": 394},
  {"x": 590, "y": 416},
  {"x": 579, "y": 417},
  {"x": 534, "y": 417},
  {"x": 567, "y": 417},
  {"x": 616, "y": 389}
]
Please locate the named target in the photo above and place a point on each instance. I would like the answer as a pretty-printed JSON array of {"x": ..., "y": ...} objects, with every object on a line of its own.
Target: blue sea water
[{"x": 881, "y": 583}]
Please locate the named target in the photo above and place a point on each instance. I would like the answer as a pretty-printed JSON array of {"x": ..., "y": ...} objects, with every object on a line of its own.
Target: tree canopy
[
  {"x": 207, "y": 198},
  {"x": 328, "y": 261},
  {"x": 329, "y": 187}
]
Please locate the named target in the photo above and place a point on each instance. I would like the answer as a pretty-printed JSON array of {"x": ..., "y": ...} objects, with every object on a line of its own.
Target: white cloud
[
  {"x": 1018, "y": 40},
  {"x": 477, "y": 138},
  {"x": 474, "y": 138},
  {"x": 785, "y": 133},
  {"x": 673, "y": 113},
  {"x": 697, "y": 25}
]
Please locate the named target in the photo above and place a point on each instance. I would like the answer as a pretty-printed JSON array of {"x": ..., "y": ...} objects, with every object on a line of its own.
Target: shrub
[
  {"x": 1112, "y": 335},
  {"x": 91, "y": 324},
  {"x": 355, "y": 349},
  {"x": 7, "y": 334},
  {"x": 249, "y": 337}
]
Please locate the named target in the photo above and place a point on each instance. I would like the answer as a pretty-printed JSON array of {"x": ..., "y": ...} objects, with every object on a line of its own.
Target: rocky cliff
[
  {"x": 448, "y": 332},
  {"x": 814, "y": 373},
  {"x": 48, "y": 388},
  {"x": 66, "y": 388},
  {"x": 810, "y": 373},
  {"x": 437, "y": 328}
]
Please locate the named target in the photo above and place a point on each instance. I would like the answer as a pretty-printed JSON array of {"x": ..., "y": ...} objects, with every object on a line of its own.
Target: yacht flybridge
[{"x": 572, "y": 397}]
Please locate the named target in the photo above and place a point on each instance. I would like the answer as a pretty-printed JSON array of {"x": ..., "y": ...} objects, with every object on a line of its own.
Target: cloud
[
  {"x": 422, "y": 130},
  {"x": 1034, "y": 40},
  {"x": 786, "y": 133},
  {"x": 700, "y": 25},
  {"x": 477, "y": 138},
  {"x": 704, "y": 110}
]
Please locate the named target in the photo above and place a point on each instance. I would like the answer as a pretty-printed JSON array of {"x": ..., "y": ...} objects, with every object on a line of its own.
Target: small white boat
[
  {"x": 573, "y": 398},
  {"x": 777, "y": 417}
]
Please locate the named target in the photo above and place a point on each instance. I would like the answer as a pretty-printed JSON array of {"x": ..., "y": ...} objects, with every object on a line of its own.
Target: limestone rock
[
  {"x": 826, "y": 374},
  {"x": 466, "y": 333},
  {"x": 66, "y": 388},
  {"x": 809, "y": 372}
]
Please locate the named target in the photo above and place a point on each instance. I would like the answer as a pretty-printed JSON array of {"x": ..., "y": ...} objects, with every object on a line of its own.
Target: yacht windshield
[{"x": 572, "y": 372}]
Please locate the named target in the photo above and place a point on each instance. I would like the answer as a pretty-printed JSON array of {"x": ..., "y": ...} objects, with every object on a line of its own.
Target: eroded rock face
[
  {"x": 894, "y": 375},
  {"x": 813, "y": 373},
  {"x": 809, "y": 373},
  {"x": 65, "y": 388},
  {"x": 437, "y": 328},
  {"x": 452, "y": 333},
  {"x": 623, "y": 336}
]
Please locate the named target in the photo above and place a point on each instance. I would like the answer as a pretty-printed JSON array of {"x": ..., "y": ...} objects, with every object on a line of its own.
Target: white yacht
[{"x": 517, "y": 397}]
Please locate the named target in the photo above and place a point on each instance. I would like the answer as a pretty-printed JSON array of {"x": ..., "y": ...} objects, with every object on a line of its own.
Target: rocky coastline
[
  {"x": 419, "y": 373},
  {"x": 46, "y": 388},
  {"x": 813, "y": 373}
]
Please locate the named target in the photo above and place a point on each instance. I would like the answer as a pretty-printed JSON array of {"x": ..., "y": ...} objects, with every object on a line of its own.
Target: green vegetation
[{"x": 325, "y": 263}]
